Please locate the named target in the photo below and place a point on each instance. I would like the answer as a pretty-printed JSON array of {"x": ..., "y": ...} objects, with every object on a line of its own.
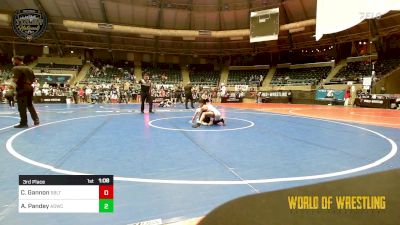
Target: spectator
[
  {"x": 10, "y": 92},
  {"x": 258, "y": 99},
  {"x": 81, "y": 95},
  {"x": 75, "y": 94},
  {"x": 45, "y": 88},
  {"x": 347, "y": 96},
  {"x": 353, "y": 95},
  {"x": 383, "y": 90},
  {"x": 88, "y": 93}
]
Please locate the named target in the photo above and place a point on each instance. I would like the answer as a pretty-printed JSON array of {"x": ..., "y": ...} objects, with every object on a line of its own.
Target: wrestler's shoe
[{"x": 197, "y": 125}]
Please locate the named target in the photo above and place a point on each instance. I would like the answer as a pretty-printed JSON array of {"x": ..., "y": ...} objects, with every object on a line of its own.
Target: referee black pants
[
  {"x": 187, "y": 97},
  {"x": 24, "y": 102},
  {"x": 144, "y": 97}
]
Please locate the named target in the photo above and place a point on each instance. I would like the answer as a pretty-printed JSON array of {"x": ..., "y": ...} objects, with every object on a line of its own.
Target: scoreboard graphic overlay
[{"x": 66, "y": 194}]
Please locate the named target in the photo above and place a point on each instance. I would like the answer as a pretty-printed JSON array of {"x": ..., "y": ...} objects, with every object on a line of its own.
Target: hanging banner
[
  {"x": 324, "y": 94},
  {"x": 29, "y": 24},
  {"x": 241, "y": 87}
]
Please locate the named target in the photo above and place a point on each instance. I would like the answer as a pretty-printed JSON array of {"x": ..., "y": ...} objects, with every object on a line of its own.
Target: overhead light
[
  {"x": 5, "y": 19},
  {"x": 72, "y": 52},
  {"x": 236, "y": 38},
  {"x": 46, "y": 46},
  {"x": 300, "y": 29},
  {"x": 75, "y": 30},
  {"x": 146, "y": 36},
  {"x": 365, "y": 43},
  {"x": 360, "y": 43},
  {"x": 189, "y": 38}
]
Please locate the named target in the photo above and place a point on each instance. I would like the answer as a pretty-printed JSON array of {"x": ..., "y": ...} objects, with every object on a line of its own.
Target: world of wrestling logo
[{"x": 29, "y": 24}]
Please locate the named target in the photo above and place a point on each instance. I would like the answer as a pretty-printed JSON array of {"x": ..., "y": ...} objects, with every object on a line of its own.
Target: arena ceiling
[{"x": 213, "y": 15}]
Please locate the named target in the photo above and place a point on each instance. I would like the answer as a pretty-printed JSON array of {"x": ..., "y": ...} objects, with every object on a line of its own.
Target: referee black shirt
[
  {"x": 144, "y": 86},
  {"x": 24, "y": 77}
]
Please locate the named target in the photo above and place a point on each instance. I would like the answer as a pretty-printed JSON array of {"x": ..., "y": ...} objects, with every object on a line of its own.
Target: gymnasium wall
[{"x": 61, "y": 60}]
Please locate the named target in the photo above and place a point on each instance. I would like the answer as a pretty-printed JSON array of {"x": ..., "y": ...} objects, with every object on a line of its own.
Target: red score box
[{"x": 106, "y": 192}]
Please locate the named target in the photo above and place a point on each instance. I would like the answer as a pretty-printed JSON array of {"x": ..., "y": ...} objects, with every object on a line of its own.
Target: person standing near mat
[
  {"x": 188, "y": 95},
  {"x": 179, "y": 92},
  {"x": 10, "y": 92},
  {"x": 145, "y": 93},
  {"x": 23, "y": 78}
]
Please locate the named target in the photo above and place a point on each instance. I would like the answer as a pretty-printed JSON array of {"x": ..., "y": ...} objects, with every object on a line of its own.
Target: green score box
[{"x": 106, "y": 205}]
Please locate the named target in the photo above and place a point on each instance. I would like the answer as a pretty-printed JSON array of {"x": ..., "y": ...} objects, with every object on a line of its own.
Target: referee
[
  {"x": 145, "y": 93},
  {"x": 188, "y": 95},
  {"x": 24, "y": 77}
]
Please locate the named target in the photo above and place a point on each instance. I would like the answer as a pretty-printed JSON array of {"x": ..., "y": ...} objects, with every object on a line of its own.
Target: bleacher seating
[
  {"x": 106, "y": 74},
  {"x": 385, "y": 66},
  {"x": 355, "y": 71},
  {"x": 6, "y": 71},
  {"x": 204, "y": 74},
  {"x": 54, "y": 66},
  {"x": 210, "y": 78},
  {"x": 246, "y": 77},
  {"x": 171, "y": 71},
  {"x": 300, "y": 76}
]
